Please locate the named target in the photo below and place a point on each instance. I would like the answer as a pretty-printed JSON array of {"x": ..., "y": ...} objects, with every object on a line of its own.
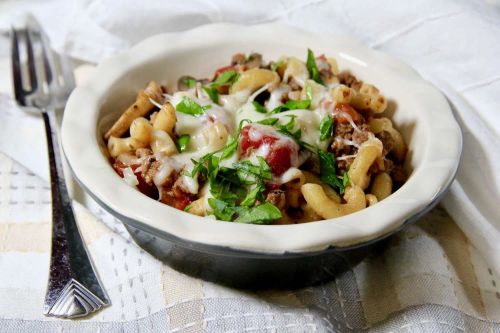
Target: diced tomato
[
  {"x": 247, "y": 143},
  {"x": 343, "y": 111},
  {"x": 149, "y": 190},
  {"x": 279, "y": 159},
  {"x": 176, "y": 199},
  {"x": 281, "y": 153}
]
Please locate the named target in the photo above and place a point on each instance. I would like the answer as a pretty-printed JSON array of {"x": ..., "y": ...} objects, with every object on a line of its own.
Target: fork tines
[{"x": 41, "y": 78}]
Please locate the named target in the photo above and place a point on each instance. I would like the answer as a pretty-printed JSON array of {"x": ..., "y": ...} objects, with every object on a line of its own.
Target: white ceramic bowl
[{"x": 418, "y": 109}]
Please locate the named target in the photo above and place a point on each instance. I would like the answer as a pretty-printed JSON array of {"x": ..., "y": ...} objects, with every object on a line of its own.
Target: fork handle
[{"x": 73, "y": 288}]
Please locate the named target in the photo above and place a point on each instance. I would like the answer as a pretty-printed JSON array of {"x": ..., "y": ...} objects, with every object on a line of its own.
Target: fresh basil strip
[
  {"x": 226, "y": 77},
  {"x": 259, "y": 107},
  {"x": 260, "y": 214},
  {"x": 189, "y": 106},
  {"x": 221, "y": 209},
  {"x": 292, "y": 105},
  {"x": 345, "y": 181},
  {"x": 212, "y": 92},
  {"x": 312, "y": 68},
  {"x": 326, "y": 128},
  {"x": 261, "y": 171},
  {"x": 268, "y": 121},
  {"x": 230, "y": 148},
  {"x": 252, "y": 196},
  {"x": 190, "y": 83},
  {"x": 328, "y": 171},
  {"x": 182, "y": 142}
]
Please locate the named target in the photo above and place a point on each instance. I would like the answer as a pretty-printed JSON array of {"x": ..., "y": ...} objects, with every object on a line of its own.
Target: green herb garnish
[
  {"x": 345, "y": 181},
  {"x": 189, "y": 106},
  {"x": 253, "y": 195},
  {"x": 260, "y": 214},
  {"x": 226, "y": 77},
  {"x": 268, "y": 121},
  {"x": 245, "y": 168},
  {"x": 328, "y": 171},
  {"x": 182, "y": 142},
  {"x": 326, "y": 128},
  {"x": 259, "y": 107},
  {"x": 221, "y": 209},
  {"x": 212, "y": 92},
  {"x": 312, "y": 68},
  {"x": 190, "y": 83},
  {"x": 292, "y": 105}
]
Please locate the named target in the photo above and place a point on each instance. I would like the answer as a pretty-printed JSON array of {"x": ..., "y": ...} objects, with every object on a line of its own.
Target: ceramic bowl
[{"x": 213, "y": 249}]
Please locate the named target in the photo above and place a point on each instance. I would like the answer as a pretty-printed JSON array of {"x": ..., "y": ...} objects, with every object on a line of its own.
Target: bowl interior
[{"x": 202, "y": 61}]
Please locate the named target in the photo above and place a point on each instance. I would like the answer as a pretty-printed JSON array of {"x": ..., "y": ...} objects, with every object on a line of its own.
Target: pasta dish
[{"x": 283, "y": 142}]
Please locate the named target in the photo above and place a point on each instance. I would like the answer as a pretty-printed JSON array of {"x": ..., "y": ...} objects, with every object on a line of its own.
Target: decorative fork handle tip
[{"x": 75, "y": 301}]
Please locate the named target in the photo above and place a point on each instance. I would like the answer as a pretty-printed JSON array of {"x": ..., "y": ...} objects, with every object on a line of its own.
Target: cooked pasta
[{"x": 289, "y": 141}]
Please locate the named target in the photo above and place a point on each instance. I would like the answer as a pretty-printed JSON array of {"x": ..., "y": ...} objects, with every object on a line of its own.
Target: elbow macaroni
[
  {"x": 327, "y": 208},
  {"x": 369, "y": 151}
]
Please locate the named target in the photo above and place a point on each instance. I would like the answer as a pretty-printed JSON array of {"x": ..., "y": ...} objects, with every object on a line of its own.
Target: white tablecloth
[{"x": 429, "y": 277}]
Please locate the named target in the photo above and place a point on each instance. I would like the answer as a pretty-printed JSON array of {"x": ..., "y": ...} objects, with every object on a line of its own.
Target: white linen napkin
[{"x": 452, "y": 45}]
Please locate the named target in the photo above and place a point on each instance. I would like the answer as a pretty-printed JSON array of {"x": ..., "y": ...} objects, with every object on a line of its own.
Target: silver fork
[{"x": 42, "y": 83}]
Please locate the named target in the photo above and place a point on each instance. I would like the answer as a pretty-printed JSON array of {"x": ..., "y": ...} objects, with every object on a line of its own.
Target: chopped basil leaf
[
  {"x": 292, "y": 105},
  {"x": 345, "y": 181},
  {"x": 312, "y": 68},
  {"x": 259, "y": 107},
  {"x": 221, "y": 209},
  {"x": 190, "y": 83},
  {"x": 268, "y": 121},
  {"x": 226, "y": 186},
  {"x": 326, "y": 128},
  {"x": 260, "y": 214},
  {"x": 252, "y": 196},
  {"x": 199, "y": 166},
  {"x": 328, "y": 171},
  {"x": 182, "y": 142},
  {"x": 212, "y": 168},
  {"x": 276, "y": 65},
  {"x": 229, "y": 149},
  {"x": 261, "y": 171},
  {"x": 226, "y": 77},
  {"x": 291, "y": 124},
  {"x": 212, "y": 92},
  {"x": 188, "y": 207},
  {"x": 189, "y": 106}
]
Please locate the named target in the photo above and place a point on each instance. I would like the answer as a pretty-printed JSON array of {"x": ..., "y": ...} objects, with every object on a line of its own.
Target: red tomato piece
[
  {"x": 280, "y": 159},
  {"x": 176, "y": 199},
  {"x": 281, "y": 153},
  {"x": 149, "y": 190}
]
